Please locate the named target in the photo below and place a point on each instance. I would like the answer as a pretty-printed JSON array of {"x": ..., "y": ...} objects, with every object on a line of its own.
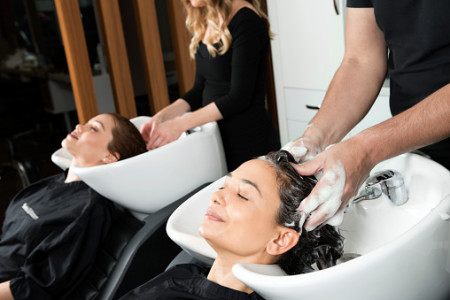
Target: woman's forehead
[
  {"x": 259, "y": 172},
  {"x": 106, "y": 120}
]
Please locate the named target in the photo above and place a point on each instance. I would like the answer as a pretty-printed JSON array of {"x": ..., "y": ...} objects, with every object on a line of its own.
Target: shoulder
[
  {"x": 186, "y": 270},
  {"x": 359, "y": 3},
  {"x": 245, "y": 19}
]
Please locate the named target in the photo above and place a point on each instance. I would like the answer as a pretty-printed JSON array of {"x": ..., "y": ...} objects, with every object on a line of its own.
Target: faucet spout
[{"x": 389, "y": 182}]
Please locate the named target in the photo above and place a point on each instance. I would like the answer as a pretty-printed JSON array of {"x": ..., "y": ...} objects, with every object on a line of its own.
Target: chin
[{"x": 198, "y": 3}]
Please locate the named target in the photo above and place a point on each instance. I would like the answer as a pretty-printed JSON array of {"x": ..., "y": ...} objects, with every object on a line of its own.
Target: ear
[
  {"x": 286, "y": 239},
  {"x": 111, "y": 157}
]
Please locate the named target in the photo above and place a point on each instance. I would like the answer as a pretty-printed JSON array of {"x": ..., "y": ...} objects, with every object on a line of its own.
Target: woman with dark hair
[
  {"x": 253, "y": 219},
  {"x": 54, "y": 228},
  {"x": 230, "y": 44}
]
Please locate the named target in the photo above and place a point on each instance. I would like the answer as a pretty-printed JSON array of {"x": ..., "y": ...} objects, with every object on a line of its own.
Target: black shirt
[
  {"x": 418, "y": 37},
  {"x": 235, "y": 82},
  {"x": 51, "y": 234},
  {"x": 186, "y": 282}
]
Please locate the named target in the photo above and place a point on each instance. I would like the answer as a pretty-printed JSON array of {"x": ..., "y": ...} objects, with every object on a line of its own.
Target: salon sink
[
  {"x": 148, "y": 182},
  {"x": 401, "y": 252}
]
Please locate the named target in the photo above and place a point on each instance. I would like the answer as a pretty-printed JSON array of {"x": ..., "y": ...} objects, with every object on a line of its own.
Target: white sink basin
[
  {"x": 148, "y": 182},
  {"x": 404, "y": 249}
]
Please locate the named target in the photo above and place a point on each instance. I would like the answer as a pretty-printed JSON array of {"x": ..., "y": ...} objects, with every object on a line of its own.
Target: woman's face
[
  {"x": 198, "y": 3},
  {"x": 241, "y": 215},
  {"x": 88, "y": 143}
]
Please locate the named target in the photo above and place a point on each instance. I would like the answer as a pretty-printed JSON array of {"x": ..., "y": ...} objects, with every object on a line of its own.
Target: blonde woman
[{"x": 230, "y": 42}]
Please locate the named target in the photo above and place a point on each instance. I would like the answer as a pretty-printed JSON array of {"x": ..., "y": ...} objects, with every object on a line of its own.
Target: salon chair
[{"x": 134, "y": 251}]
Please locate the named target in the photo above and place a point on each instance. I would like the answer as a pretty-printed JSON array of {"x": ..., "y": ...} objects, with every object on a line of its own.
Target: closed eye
[
  {"x": 240, "y": 196},
  {"x": 93, "y": 129}
]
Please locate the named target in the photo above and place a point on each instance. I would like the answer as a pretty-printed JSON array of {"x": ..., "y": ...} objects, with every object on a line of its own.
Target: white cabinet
[
  {"x": 307, "y": 49},
  {"x": 302, "y": 104}
]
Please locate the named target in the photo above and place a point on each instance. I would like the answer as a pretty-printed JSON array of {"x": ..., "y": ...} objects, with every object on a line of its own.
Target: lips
[
  {"x": 211, "y": 215},
  {"x": 73, "y": 135}
]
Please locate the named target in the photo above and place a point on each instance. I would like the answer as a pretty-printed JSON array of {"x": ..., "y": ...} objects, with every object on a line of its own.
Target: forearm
[
  {"x": 176, "y": 109},
  {"x": 358, "y": 80},
  {"x": 201, "y": 116},
  {"x": 423, "y": 124},
  {"x": 349, "y": 97},
  {"x": 5, "y": 291}
]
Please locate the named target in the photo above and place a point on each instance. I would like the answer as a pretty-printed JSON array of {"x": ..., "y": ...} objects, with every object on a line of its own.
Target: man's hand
[{"x": 342, "y": 168}]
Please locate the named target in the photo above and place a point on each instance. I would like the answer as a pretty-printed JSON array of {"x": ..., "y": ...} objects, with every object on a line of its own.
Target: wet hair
[
  {"x": 127, "y": 140},
  {"x": 198, "y": 18},
  {"x": 321, "y": 246}
]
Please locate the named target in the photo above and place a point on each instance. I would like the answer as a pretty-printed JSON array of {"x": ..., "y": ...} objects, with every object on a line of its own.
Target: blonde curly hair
[{"x": 216, "y": 14}]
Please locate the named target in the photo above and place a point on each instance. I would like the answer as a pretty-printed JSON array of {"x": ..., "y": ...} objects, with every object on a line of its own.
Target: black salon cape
[
  {"x": 186, "y": 282},
  {"x": 236, "y": 83},
  {"x": 50, "y": 237}
]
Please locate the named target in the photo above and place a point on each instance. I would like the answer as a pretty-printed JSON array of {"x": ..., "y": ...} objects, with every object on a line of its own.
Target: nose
[
  {"x": 218, "y": 198},
  {"x": 79, "y": 128}
]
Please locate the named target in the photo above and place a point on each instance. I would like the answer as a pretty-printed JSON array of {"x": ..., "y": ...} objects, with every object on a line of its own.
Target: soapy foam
[
  {"x": 337, "y": 219},
  {"x": 329, "y": 194},
  {"x": 301, "y": 222},
  {"x": 297, "y": 148}
]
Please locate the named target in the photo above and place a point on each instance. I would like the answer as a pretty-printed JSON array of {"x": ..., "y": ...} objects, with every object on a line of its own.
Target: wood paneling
[
  {"x": 116, "y": 53},
  {"x": 77, "y": 57},
  {"x": 147, "y": 23},
  {"x": 180, "y": 41}
]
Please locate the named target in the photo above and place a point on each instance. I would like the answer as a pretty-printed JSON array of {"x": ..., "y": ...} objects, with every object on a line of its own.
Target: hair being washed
[
  {"x": 198, "y": 19},
  {"x": 127, "y": 140},
  {"x": 322, "y": 246}
]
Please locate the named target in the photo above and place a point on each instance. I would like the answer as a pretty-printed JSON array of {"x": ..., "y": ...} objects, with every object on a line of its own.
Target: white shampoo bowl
[
  {"x": 404, "y": 249},
  {"x": 148, "y": 182}
]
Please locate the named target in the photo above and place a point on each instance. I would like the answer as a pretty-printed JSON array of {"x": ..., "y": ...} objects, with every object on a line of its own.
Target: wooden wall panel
[
  {"x": 77, "y": 57},
  {"x": 116, "y": 53},
  {"x": 147, "y": 23},
  {"x": 180, "y": 41}
]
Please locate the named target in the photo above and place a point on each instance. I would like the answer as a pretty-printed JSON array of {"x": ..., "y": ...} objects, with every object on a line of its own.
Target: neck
[
  {"x": 71, "y": 176},
  {"x": 221, "y": 273}
]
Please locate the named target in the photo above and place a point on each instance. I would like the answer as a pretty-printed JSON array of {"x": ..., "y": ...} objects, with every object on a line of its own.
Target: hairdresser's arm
[
  {"x": 356, "y": 83},
  {"x": 5, "y": 291},
  {"x": 425, "y": 123},
  {"x": 350, "y": 95},
  {"x": 170, "y": 130},
  {"x": 190, "y": 101}
]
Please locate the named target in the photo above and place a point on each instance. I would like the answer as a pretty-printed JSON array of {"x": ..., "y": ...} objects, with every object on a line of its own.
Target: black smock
[
  {"x": 186, "y": 282},
  {"x": 50, "y": 237},
  {"x": 417, "y": 33},
  {"x": 235, "y": 82}
]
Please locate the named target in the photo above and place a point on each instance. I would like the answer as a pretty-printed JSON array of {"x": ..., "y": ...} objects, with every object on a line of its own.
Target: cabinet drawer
[{"x": 302, "y": 104}]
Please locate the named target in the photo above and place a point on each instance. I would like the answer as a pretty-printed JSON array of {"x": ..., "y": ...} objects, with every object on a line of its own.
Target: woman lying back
[
  {"x": 253, "y": 219},
  {"x": 54, "y": 228}
]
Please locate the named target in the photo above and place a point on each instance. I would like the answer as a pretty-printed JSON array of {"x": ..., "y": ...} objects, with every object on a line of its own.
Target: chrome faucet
[{"x": 389, "y": 182}]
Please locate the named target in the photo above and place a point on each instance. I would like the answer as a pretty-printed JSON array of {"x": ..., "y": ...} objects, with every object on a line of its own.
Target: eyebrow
[
  {"x": 247, "y": 182},
  {"x": 95, "y": 121}
]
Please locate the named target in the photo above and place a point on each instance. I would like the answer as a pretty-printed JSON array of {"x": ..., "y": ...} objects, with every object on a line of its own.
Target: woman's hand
[
  {"x": 162, "y": 133},
  {"x": 343, "y": 169},
  {"x": 148, "y": 128}
]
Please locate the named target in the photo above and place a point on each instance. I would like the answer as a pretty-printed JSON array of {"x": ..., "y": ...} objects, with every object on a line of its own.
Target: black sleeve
[
  {"x": 359, "y": 3},
  {"x": 63, "y": 256},
  {"x": 250, "y": 44},
  {"x": 194, "y": 96}
]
